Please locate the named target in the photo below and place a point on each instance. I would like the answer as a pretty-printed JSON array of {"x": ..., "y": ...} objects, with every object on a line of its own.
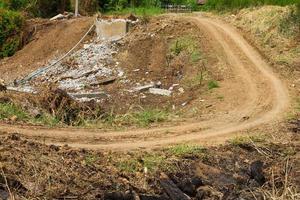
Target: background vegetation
[
  {"x": 238, "y": 4},
  {"x": 13, "y": 12}
]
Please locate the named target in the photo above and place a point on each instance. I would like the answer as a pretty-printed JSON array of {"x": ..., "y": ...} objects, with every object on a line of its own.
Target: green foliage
[
  {"x": 152, "y": 162},
  {"x": 238, "y": 4},
  {"x": 140, "y": 118},
  {"x": 149, "y": 116},
  {"x": 9, "y": 110},
  {"x": 46, "y": 119},
  {"x": 246, "y": 140},
  {"x": 139, "y": 11},
  {"x": 10, "y": 28},
  {"x": 186, "y": 150},
  {"x": 185, "y": 43},
  {"x": 213, "y": 84}
]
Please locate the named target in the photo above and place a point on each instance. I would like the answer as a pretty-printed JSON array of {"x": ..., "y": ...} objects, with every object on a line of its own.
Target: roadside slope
[{"x": 50, "y": 40}]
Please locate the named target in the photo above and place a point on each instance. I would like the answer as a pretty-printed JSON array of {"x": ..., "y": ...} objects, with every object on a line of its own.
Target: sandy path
[{"x": 264, "y": 100}]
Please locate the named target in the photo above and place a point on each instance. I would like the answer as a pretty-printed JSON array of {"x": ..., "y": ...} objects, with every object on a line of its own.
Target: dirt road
[{"x": 260, "y": 98}]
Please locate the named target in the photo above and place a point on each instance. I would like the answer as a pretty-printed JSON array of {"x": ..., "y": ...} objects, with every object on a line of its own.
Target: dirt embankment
[
  {"x": 49, "y": 40},
  {"x": 274, "y": 30}
]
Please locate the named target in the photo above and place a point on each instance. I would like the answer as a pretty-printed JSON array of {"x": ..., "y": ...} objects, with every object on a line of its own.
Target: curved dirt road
[{"x": 263, "y": 99}]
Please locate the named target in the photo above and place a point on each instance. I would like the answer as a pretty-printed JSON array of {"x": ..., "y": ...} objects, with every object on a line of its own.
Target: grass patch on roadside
[
  {"x": 182, "y": 150},
  {"x": 10, "y": 110},
  {"x": 142, "y": 118},
  {"x": 213, "y": 84},
  {"x": 244, "y": 140},
  {"x": 149, "y": 162},
  {"x": 46, "y": 119}
]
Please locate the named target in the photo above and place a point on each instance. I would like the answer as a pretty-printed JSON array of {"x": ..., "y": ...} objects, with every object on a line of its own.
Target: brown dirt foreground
[
  {"x": 258, "y": 97},
  {"x": 243, "y": 169}
]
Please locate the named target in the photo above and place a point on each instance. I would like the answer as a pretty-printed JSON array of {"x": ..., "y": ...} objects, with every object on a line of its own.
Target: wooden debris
[
  {"x": 171, "y": 189},
  {"x": 105, "y": 81}
]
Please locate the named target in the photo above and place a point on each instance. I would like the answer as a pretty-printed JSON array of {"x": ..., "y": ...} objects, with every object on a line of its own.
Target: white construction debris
[
  {"x": 162, "y": 92},
  {"x": 113, "y": 29}
]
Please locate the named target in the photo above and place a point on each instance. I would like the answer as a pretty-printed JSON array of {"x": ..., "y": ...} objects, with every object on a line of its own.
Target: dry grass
[
  {"x": 287, "y": 192},
  {"x": 274, "y": 29}
]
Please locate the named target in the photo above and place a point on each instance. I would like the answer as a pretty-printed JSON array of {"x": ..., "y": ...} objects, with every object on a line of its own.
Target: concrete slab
[{"x": 112, "y": 29}]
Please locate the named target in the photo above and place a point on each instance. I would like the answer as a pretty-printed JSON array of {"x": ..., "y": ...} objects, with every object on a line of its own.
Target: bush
[
  {"x": 237, "y": 4},
  {"x": 10, "y": 28}
]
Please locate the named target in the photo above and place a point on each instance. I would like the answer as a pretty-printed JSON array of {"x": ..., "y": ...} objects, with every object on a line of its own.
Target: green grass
[
  {"x": 213, "y": 84},
  {"x": 46, "y": 119},
  {"x": 90, "y": 160},
  {"x": 242, "y": 140},
  {"x": 142, "y": 118},
  {"x": 140, "y": 11},
  {"x": 9, "y": 110},
  {"x": 222, "y": 5},
  {"x": 152, "y": 162},
  {"x": 186, "y": 149},
  {"x": 187, "y": 44}
]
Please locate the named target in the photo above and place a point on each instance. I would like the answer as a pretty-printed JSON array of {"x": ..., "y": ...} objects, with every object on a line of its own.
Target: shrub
[
  {"x": 237, "y": 4},
  {"x": 10, "y": 28}
]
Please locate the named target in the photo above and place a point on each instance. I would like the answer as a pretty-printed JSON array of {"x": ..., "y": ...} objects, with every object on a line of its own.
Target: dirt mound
[{"x": 49, "y": 40}]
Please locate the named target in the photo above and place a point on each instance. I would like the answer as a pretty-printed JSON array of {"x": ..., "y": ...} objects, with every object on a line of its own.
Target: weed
[
  {"x": 188, "y": 45},
  {"x": 90, "y": 159},
  {"x": 140, "y": 118},
  {"x": 46, "y": 119},
  {"x": 244, "y": 140},
  {"x": 153, "y": 162},
  {"x": 221, "y": 98},
  {"x": 222, "y": 5},
  {"x": 9, "y": 110},
  {"x": 129, "y": 165},
  {"x": 186, "y": 149},
  {"x": 140, "y": 11},
  {"x": 213, "y": 84},
  {"x": 195, "y": 56},
  {"x": 284, "y": 192},
  {"x": 149, "y": 116}
]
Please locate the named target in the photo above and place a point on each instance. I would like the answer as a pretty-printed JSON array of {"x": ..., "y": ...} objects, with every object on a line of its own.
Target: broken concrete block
[
  {"x": 160, "y": 91},
  {"x": 107, "y": 30},
  {"x": 56, "y": 17},
  {"x": 144, "y": 87},
  {"x": 89, "y": 95}
]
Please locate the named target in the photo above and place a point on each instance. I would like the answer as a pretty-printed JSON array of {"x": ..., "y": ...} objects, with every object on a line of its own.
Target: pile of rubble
[{"x": 88, "y": 73}]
